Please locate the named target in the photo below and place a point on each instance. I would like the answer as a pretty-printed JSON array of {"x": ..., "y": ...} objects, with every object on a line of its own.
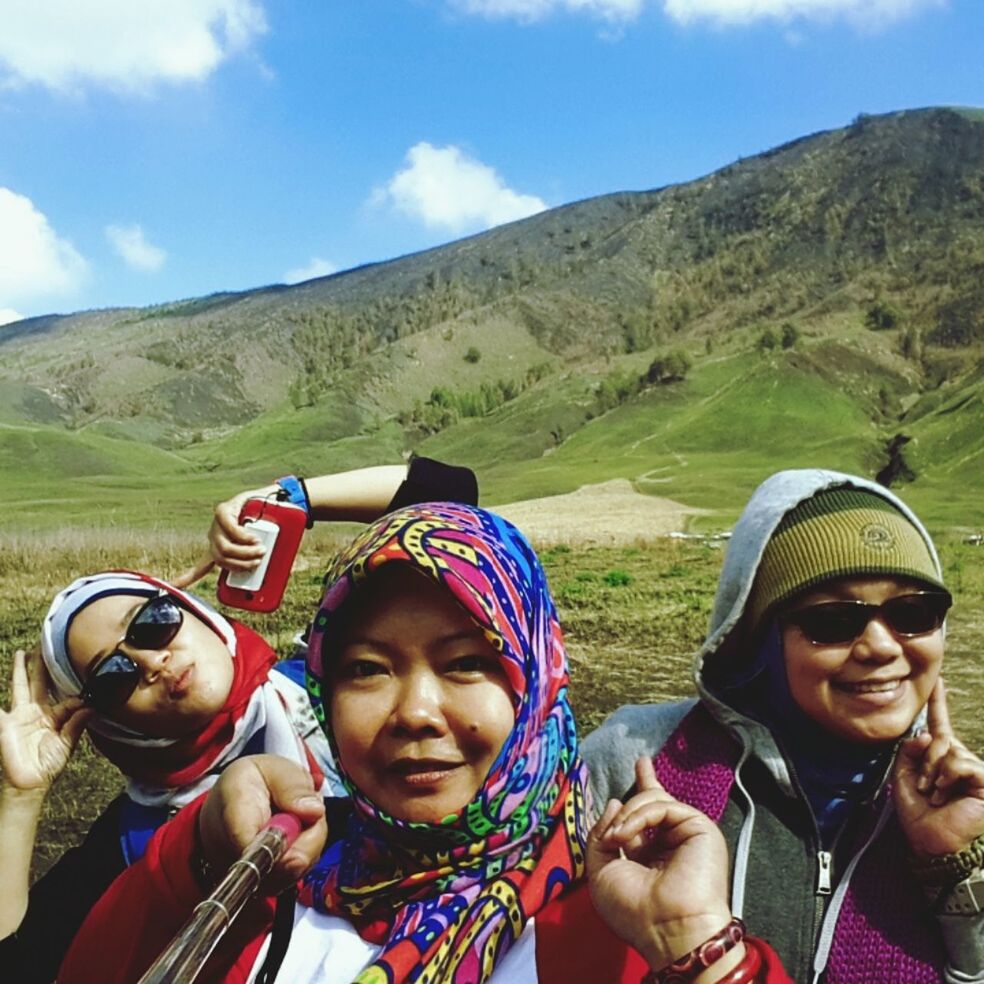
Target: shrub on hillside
[
  {"x": 960, "y": 323},
  {"x": 766, "y": 341},
  {"x": 882, "y": 316},
  {"x": 671, "y": 367}
]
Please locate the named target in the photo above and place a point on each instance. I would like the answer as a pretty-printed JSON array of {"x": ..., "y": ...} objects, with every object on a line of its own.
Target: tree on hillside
[
  {"x": 789, "y": 336},
  {"x": 882, "y": 316},
  {"x": 669, "y": 368},
  {"x": 766, "y": 341}
]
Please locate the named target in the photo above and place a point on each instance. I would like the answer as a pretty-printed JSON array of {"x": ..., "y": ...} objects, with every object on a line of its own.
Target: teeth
[{"x": 872, "y": 688}]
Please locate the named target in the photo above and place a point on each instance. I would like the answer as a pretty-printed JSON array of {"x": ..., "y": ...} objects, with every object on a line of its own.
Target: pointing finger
[
  {"x": 646, "y": 774},
  {"x": 937, "y": 712}
]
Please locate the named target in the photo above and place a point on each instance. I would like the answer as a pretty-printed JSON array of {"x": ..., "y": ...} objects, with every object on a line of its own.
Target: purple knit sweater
[{"x": 885, "y": 932}]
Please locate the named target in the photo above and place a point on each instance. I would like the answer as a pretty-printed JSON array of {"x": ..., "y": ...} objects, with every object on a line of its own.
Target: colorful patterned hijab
[{"x": 446, "y": 901}]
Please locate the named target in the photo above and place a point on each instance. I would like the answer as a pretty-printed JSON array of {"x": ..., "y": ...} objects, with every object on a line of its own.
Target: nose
[
  {"x": 152, "y": 662},
  {"x": 418, "y": 707},
  {"x": 877, "y": 643}
]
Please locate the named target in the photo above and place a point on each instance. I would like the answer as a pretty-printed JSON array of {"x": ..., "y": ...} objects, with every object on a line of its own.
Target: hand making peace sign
[
  {"x": 939, "y": 785},
  {"x": 37, "y": 737}
]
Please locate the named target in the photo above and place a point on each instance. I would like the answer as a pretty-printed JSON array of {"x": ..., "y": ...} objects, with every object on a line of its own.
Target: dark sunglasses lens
[
  {"x": 155, "y": 625},
  {"x": 110, "y": 687},
  {"x": 836, "y": 622},
  {"x": 916, "y": 614}
]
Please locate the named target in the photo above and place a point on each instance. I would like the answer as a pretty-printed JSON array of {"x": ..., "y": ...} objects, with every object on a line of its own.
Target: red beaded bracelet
[{"x": 693, "y": 964}]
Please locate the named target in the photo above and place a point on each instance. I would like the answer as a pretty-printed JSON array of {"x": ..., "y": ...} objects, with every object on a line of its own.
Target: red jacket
[{"x": 147, "y": 905}]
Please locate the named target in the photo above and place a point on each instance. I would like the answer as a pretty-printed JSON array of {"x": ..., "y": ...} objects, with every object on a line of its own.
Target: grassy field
[{"x": 633, "y": 617}]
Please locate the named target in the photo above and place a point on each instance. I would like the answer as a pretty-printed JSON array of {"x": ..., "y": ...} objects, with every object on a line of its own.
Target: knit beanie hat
[{"x": 836, "y": 533}]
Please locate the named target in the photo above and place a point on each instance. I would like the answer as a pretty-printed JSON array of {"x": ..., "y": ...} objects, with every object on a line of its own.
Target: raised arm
[{"x": 361, "y": 495}]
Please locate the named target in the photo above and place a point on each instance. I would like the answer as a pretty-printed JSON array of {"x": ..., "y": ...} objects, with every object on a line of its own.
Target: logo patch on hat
[{"x": 877, "y": 537}]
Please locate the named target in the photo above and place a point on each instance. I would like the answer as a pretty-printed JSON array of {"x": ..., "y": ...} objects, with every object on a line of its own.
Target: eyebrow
[{"x": 462, "y": 636}]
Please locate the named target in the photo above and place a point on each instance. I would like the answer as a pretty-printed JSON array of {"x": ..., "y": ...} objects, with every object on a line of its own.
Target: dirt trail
[{"x": 609, "y": 514}]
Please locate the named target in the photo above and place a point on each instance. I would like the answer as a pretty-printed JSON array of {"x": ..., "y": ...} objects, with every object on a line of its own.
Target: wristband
[
  {"x": 294, "y": 491},
  {"x": 691, "y": 965},
  {"x": 966, "y": 898},
  {"x": 947, "y": 869}
]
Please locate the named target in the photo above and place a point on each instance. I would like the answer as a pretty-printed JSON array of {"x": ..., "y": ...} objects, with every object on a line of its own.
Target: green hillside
[{"x": 821, "y": 304}]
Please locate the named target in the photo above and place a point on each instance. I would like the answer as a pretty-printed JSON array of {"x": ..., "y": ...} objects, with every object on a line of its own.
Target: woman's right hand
[
  {"x": 231, "y": 545},
  {"x": 37, "y": 737},
  {"x": 239, "y": 805},
  {"x": 658, "y": 875}
]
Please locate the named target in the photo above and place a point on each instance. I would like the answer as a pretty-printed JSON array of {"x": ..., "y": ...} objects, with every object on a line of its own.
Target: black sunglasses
[
  {"x": 839, "y": 622},
  {"x": 109, "y": 684}
]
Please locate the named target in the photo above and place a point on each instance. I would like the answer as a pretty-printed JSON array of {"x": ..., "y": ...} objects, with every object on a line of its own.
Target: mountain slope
[{"x": 828, "y": 295}]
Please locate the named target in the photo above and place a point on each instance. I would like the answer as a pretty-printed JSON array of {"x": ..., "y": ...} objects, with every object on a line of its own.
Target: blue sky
[{"x": 163, "y": 149}]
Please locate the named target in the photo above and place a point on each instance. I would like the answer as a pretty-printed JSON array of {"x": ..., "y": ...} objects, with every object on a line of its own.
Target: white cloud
[
  {"x": 132, "y": 246},
  {"x": 863, "y": 13},
  {"x": 316, "y": 268},
  {"x": 533, "y": 10},
  {"x": 34, "y": 260},
  {"x": 122, "y": 44},
  {"x": 8, "y": 315},
  {"x": 445, "y": 188}
]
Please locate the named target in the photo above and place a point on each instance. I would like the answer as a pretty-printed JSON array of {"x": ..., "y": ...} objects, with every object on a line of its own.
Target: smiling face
[
  {"x": 871, "y": 688},
  {"x": 419, "y": 703},
  {"x": 182, "y": 686}
]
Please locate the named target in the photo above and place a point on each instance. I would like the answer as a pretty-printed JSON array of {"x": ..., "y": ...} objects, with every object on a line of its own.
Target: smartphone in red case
[{"x": 280, "y": 526}]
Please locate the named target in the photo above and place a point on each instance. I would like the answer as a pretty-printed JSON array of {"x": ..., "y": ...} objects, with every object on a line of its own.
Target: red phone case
[{"x": 281, "y": 524}]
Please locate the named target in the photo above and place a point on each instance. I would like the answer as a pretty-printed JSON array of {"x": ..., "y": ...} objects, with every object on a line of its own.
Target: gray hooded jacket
[{"x": 785, "y": 887}]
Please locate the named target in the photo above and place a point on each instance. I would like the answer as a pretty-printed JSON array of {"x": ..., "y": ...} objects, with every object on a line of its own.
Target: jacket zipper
[{"x": 823, "y": 872}]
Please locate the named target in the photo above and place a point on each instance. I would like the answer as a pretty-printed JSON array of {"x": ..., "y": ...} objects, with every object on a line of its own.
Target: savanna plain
[{"x": 633, "y": 615}]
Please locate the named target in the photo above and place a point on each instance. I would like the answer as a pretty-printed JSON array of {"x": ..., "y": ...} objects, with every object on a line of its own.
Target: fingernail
[{"x": 310, "y": 802}]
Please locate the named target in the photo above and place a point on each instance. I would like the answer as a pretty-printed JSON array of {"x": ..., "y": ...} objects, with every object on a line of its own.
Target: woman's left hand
[
  {"x": 658, "y": 872},
  {"x": 939, "y": 786}
]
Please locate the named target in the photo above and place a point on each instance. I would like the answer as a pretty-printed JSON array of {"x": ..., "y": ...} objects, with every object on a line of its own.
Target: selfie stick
[{"x": 186, "y": 954}]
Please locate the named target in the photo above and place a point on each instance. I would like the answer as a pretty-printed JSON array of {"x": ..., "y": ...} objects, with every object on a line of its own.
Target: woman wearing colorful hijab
[
  {"x": 171, "y": 739},
  {"x": 438, "y": 664},
  {"x": 821, "y": 743},
  {"x": 171, "y": 692}
]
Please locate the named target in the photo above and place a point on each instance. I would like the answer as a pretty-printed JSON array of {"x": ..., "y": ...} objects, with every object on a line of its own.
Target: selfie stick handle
[{"x": 187, "y": 953}]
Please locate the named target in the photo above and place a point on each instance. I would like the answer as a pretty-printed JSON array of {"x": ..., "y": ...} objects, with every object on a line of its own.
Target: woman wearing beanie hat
[{"x": 820, "y": 740}]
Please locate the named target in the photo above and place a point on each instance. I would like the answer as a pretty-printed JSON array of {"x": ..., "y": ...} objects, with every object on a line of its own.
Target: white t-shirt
[{"x": 327, "y": 950}]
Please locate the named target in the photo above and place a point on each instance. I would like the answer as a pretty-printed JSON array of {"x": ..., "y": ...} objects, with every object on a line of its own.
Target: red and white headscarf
[{"x": 173, "y": 771}]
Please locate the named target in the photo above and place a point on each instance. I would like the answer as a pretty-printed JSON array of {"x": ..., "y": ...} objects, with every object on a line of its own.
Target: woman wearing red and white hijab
[{"x": 170, "y": 692}]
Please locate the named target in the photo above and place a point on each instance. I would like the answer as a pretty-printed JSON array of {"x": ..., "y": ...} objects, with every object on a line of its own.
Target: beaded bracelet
[
  {"x": 693, "y": 964},
  {"x": 948, "y": 869}
]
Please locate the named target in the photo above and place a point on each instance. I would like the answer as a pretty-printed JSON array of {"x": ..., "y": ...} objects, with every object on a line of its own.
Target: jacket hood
[{"x": 775, "y": 497}]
